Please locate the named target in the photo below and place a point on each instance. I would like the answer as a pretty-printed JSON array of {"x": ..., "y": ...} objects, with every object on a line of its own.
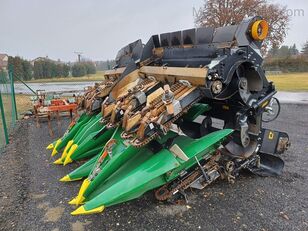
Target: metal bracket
[{"x": 206, "y": 177}]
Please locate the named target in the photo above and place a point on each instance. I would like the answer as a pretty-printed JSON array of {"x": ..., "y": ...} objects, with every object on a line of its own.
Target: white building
[{"x": 4, "y": 58}]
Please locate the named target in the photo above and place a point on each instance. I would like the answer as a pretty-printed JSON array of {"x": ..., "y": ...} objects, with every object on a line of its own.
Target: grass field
[
  {"x": 23, "y": 104},
  {"x": 283, "y": 82},
  {"x": 290, "y": 82}
]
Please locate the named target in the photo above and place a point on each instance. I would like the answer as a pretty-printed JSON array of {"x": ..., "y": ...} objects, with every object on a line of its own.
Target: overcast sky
[{"x": 57, "y": 28}]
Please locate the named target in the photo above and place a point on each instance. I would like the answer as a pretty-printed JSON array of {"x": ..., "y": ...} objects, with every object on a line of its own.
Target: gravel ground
[{"x": 32, "y": 198}]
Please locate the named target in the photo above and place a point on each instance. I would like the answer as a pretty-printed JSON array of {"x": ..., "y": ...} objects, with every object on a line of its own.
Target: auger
[{"x": 186, "y": 112}]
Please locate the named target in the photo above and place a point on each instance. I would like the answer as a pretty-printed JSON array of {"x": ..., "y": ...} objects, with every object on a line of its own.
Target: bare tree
[{"x": 219, "y": 13}]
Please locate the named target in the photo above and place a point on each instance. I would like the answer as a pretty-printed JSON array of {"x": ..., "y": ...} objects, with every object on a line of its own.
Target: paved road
[
  {"x": 292, "y": 97},
  {"x": 32, "y": 198}
]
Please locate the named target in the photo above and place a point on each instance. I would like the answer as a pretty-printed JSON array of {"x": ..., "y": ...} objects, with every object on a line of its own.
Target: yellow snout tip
[
  {"x": 54, "y": 152},
  {"x": 49, "y": 147},
  {"x": 58, "y": 161},
  {"x": 65, "y": 178},
  {"x": 73, "y": 201},
  {"x": 67, "y": 147},
  {"x": 80, "y": 198},
  {"x": 82, "y": 211},
  {"x": 68, "y": 158},
  {"x": 67, "y": 161}
]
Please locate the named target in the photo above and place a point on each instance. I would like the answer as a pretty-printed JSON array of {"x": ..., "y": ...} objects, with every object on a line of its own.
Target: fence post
[
  {"x": 14, "y": 107},
  {"x": 6, "y": 135}
]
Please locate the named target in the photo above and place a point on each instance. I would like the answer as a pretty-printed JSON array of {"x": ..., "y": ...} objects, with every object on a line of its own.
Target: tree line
[
  {"x": 105, "y": 65},
  {"x": 287, "y": 59},
  {"x": 46, "y": 68},
  {"x": 83, "y": 68},
  {"x": 21, "y": 68}
]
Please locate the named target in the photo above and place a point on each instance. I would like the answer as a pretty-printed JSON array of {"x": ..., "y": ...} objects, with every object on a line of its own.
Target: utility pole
[{"x": 78, "y": 53}]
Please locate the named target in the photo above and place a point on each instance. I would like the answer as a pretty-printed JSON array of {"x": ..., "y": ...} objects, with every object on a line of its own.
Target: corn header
[{"x": 181, "y": 111}]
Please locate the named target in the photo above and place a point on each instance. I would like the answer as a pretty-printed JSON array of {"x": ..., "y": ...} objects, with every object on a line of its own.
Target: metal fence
[
  {"x": 17, "y": 98},
  {"x": 13, "y": 105},
  {"x": 8, "y": 109}
]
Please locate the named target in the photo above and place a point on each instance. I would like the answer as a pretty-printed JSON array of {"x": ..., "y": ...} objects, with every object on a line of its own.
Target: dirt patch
[
  {"x": 80, "y": 226},
  {"x": 38, "y": 196},
  {"x": 53, "y": 214},
  {"x": 44, "y": 205},
  {"x": 171, "y": 210}
]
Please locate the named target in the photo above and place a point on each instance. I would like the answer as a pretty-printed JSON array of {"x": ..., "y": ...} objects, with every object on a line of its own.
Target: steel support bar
[
  {"x": 13, "y": 98},
  {"x": 26, "y": 85},
  {"x": 6, "y": 135}
]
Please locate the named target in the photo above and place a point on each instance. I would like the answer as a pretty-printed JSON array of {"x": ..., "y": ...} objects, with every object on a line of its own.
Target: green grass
[
  {"x": 290, "y": 82},
  {"x": 23, "y": 104}
]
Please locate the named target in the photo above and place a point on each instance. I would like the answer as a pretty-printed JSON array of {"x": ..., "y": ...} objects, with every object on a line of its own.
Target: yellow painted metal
[
  {"x": 80, "y": 198},
  {"x": 54, "y": 151},
  {"x": 70, "y": 153},
  {"x": 259, "y": 30},
  {"x": 58, "y": 161},
  {"x": 68, "y": 179},
  {"x": 67, "y": 147},
  {"x": 81, "y": 210},
  {"x": 73, "y": 201},
  {"x": 50, "y": 146}
]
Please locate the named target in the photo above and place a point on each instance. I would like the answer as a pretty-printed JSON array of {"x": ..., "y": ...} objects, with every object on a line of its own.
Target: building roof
[
  {"x": 3, "y": 60},
  {"x": 45, "y": 59},
  {"x": 3, "y": 56}
]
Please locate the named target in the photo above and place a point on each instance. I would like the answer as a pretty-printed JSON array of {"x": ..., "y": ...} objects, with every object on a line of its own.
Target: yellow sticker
[
  {"x": 225, "y": 107},
  {"x": 271, "y": 135},
  {"x": 265, "y": 104}
]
